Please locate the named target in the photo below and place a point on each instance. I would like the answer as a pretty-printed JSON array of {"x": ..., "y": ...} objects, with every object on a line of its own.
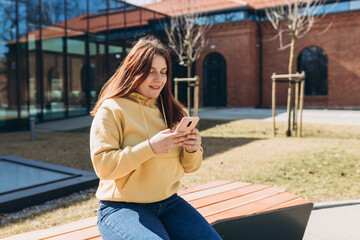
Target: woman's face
[{"x": 155, "y": 81}]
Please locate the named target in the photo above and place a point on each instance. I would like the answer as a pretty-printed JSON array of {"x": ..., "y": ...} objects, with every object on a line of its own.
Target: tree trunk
[
  {"x": 189, "y": 70},
  {"x": 289, "y": 98},
  {"x": 189, "y": 88}
]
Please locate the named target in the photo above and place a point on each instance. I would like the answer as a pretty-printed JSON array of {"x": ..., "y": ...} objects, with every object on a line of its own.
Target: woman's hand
[
  {"x": 193, "y": 141},
  {"x": 166, "y": 140}
]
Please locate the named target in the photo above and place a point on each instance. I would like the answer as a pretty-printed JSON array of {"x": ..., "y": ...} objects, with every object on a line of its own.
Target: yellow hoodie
[{"x": 128, "y": 168}]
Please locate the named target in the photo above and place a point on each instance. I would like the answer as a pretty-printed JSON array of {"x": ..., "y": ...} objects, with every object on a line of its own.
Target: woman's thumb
[{"x": 168, "y": 130}]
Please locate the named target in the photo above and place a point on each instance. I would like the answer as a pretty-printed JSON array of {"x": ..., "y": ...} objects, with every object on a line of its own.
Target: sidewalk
[
  {"x": 341, "y": 117},
  {"x": 335, "y": 221},
  {"x": 65, "y": 124}
]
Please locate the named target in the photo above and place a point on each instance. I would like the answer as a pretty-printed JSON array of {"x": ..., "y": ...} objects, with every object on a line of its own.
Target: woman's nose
[{"x": 157, "y": 76}]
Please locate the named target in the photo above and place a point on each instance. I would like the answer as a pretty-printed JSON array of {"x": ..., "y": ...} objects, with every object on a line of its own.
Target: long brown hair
[{"x": 134, "y": 70}]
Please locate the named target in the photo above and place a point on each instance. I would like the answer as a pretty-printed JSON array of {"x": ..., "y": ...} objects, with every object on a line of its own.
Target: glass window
[
  {"x": 222, "y": 18},
  {"x": 52, "y": 12},
  {"x": 325, "y": 8},
  {"x": 53, "y": 45},
  {"x": 13, "y": 66},
  {"x": 336, "y": 7},
  {"x": 314, "y": 62},
  {"x": 228, "y": 17},
  {"x": 23, "y": 65},
  {"x": 355, "y": 5},
  {"x": 97, "y": 7},
  {"x": 34, "y": 53},
  {"x": 116, "y": 5},
  {"x": 121, "y": 17},
  {"x": 98, "y": 45},
  {"x": 8, "y": 86},
  {"x": 76, "y": 14},
  {"x": 79, "y": 80},
  {"x": 53, "y": 37},
  {"x": 55, "y": 55}
]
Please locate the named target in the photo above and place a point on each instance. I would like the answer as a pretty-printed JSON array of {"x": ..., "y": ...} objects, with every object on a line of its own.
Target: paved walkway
[
  {"x": 334, "y": 223},
  {"x": 342, "y": 117},
  {"x": 65, "y": 124},
  {"x": 328, "y": 221}
]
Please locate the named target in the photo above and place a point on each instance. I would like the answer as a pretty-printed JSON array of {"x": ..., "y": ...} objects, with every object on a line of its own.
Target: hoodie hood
[
  {"x": 141, "y": 99},
  {"x": 149, "y": 102}
]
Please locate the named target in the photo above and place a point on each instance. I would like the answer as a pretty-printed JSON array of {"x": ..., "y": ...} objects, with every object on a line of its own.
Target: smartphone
[{"x": 187, "y": 124}]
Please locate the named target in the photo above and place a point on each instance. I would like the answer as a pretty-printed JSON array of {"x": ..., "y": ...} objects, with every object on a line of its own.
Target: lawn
[{"x": 322, "y": 166}]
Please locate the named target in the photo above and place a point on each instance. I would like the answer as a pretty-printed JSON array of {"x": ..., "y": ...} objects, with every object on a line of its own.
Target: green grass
[{"x": 322, "y": 166}]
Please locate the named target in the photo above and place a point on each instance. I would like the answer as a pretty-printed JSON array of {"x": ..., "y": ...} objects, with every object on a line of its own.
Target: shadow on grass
[
  {"x": 79, "y": 130},
  {"x": 215, "y": 145},
  {"x": 211, "y": 145},
  {"x": 209, "y": 123}
]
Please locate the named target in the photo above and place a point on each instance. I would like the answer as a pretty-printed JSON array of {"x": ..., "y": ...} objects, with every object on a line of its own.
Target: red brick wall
[
  {"x": 238, "y": 43},
  {"x": 342, "y": 46}
]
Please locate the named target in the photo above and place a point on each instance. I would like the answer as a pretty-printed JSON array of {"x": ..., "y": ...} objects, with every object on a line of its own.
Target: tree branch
[{"x": 186, "y": 32}]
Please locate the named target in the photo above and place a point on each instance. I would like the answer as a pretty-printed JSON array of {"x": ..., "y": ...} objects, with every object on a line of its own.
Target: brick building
[
  {"x": 56, "y": 55},
  {"x": 250, "y": 56}
]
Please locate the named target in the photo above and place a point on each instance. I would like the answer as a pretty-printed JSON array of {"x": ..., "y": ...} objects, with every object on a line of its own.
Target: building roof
[
  {"x": 179, "y": 7},
  {"x": 98, "y": 22},
  {"x": 138, "y": 16},
  {"x": 259, "y": 4}
]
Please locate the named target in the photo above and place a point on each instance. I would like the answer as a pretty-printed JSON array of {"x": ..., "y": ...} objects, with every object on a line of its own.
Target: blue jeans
[{"x": 172, "y": 218}]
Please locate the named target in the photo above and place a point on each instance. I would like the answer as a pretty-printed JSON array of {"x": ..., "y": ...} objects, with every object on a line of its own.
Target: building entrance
[{"x": 214, "y": 85}]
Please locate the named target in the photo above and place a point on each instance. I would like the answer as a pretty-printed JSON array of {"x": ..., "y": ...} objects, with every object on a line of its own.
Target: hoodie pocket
[{"x": 120, "y": 185}]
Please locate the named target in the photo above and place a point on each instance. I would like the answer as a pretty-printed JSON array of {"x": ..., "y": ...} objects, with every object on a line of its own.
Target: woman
[{"x": 137, "y": 155}]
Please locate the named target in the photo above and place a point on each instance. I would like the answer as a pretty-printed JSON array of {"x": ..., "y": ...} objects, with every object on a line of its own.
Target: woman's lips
[{"x": 155, "y": 87}]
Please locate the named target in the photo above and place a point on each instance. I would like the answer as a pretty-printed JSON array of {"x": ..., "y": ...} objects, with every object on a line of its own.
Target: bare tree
[
  {"x": 186, "y": 32},
  {"x": 293, "y": 19}
]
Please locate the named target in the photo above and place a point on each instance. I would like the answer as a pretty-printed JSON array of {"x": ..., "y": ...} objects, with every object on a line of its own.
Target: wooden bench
[{"x": 236, "y": 210}]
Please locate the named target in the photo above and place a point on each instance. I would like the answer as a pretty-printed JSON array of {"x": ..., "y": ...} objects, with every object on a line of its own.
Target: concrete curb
[{"x": 324, "y": 205}]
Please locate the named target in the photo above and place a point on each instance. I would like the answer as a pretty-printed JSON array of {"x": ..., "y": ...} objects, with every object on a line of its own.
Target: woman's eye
[{"x": 163, "y": 73}]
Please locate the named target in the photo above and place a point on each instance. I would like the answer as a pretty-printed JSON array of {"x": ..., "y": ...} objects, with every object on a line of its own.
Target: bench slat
[
  {"x": 203, "y": 187},
  {"x": 198, "y": 203},
  {"x": 295, "y": 202},
  {"x": 214, "y": 190},
  {"x": 250, "y": 209},
  {"x": 44, "y": 233},
  {"x": 250, "y": 198},
  {"x": 85, "y": 233}
]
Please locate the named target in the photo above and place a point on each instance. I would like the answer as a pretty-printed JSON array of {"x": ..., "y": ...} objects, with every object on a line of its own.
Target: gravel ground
[{"x": 48, "y": 206}]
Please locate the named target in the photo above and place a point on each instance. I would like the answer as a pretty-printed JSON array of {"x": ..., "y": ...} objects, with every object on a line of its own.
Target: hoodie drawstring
[
  {"x": 162, "y": 106},
  {"x": 143, "y": 114}
]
